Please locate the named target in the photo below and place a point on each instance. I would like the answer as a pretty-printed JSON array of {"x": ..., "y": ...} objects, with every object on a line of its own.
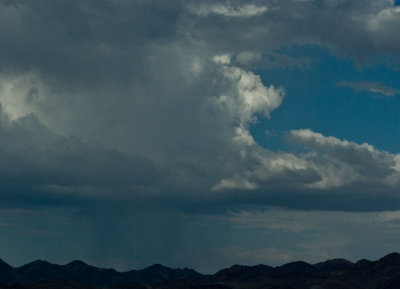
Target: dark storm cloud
[
  {"x": 99, "y": 36},
  {"x": 140, "y": 79},
  {"x": 125, "y": 128},
  {"x": 59, "y": 36},
  {"x": 354, "y": 28},
  {"x": 40, "y": 166}
]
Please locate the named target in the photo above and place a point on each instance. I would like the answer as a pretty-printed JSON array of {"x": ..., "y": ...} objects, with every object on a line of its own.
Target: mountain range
[{"x": 331, "y": 274}]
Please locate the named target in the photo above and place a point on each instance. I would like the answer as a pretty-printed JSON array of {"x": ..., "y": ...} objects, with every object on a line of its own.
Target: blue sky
[
  {"x": 142, "y": 132},
  {"x": 316, "y": 100}
]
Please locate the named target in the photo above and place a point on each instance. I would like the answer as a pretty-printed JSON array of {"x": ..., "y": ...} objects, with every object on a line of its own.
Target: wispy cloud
[
  {"x": 373, "y": 87},
  {"x": 247, "y": 10}
]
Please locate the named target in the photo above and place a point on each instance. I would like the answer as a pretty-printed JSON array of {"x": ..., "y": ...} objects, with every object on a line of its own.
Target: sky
[{"x": 199, "y": 134}]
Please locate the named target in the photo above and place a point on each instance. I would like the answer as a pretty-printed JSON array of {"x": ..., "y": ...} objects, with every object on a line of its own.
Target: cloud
[
  {"x": 42, "y": 167},
  {"x": 363, "y": 160},
  {"x": 373, "y": 87},
  {"x": 236, "y": 183},
  {"x": 348, "y": 28},
  {"x": 176, "y": 95},
  {"x": 248, "y": 96},
  {"x": 127, "y": 122},
  {"x": 222, "y": 59},
  {"x": 227, "y": 10},
  {"x": 247, "y": 57},
  {"x": 329, "y": 170}
]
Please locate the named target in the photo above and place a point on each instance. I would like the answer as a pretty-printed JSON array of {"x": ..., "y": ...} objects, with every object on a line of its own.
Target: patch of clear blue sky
[{"x": 314, "y": 100}]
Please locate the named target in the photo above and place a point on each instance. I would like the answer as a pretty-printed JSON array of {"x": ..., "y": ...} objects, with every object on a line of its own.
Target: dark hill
[
  {"x": 82, "y": 272},
  {"x": 4, "y": 266},
  {"x": 392, "y": 259},
  {"x": 159, "y": 273},
  {"x": 297, "y": 269},
  {"x": 335, "y": 267},
  {"x": 239, "y": 273},
  {"x": 8, "y": 273},
  {"x": 40, "y": 270},
  {"x": 331, "y": 274}
]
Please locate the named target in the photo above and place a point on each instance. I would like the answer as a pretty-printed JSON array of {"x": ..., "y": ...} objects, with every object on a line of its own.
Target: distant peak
[
  {"x": 334, "y": 264},
  {"x": 296, "y": 264},
  {"x": 261, "y": 266},
  {"x": 234, "y": 268},
  {"x": 38, "y": 266},
  {"x": 238, "y": 267},
  {"x": 390, "y": 258},
  {"x": 38, "y": 263},
  {"x": 4, "y": 265},
  {"x": 337, "y": 261},
  {"x": 156, "y": 267},
  {"x": 76, "y": 263},
  {"x": 297, "y": 267},
  {"x": 364, "y": 262}
]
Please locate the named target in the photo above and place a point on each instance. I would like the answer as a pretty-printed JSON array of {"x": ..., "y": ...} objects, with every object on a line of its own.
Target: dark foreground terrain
[{"x": 332, "y": 274}]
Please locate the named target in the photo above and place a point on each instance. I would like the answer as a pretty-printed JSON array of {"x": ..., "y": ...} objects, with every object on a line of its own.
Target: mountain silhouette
[
  {"x": 158, "y": 273},
  {"x": 331, "y": 274},
  {"x": 8, "y": 273},
  {"x": 40, "y": 270},
  {"x": 239, "y": 273}
]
